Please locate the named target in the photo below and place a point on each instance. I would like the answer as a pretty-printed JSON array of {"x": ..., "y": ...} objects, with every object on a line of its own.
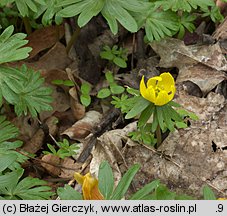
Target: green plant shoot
[
  {"x": 156, "y": 102},
  {"x": 113, "y": 88},
  {"x": 65, "y": 149},
  {"x": 115, "y": 55}
]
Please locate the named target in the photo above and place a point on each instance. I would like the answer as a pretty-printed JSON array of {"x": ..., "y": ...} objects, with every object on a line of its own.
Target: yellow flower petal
[
  {"x": 167, "y": 82},
  {"x": 143, "y": 88},
  {"x": 162, "y": 98},
  {"x": 154, "y": 81},
  {"x": 79, "y": 178},
  {"x": 151, "y": 94},
  {"x": 89, "y": 186}
]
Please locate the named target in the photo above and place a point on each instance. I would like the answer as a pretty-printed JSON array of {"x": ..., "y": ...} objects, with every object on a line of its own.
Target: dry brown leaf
[
  {"x": 55, "y": 58},
  {"x": 203, "y": 107},
  {"x": 27, "y": 127},
  {"x": 77, "y": 108},
  {"x": 204, "y": 77},
  {"x": 174, "y": 53},
  {"x": 109, "y": 147},
  {"x": 60, "y": 102},
  {"x": 44, "y": 38},
  {"x": 84, "y": 126},
  {"x": 220, "y": 34},
  {"x": 201, "y": 65},
  {"x": 72, "y": 168},
  {"x": 36, "y": 142},
  {"x": 55, "y": 74},
  {"x": 53, "y": 169}
]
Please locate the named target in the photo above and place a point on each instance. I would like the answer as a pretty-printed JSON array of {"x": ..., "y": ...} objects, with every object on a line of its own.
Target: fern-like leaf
[
  {"x": 51, "y": 9},
  {"x": 7, "y": 149},
  {"x": 25, "y": 6},
  {"x": 113, "y": 11},
  {"x": 32, "y": 189},
  {"x": 24, "y": 89},
  {"x": 27, "y": 189},
  {"x": 86, "y": 8},
  {"x": 11, "y": 46},
  {"x": 184, "y": 5},
  {"x": 158, "y": 24},
  {"x": 186, "y": 22}
]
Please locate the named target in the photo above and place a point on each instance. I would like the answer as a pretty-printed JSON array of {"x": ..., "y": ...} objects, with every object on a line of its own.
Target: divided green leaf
[
  {"x": 24, "y": 89},
  {"x": 183, "y": 5},
  {"x": 11, "y": 46},
  {"x": 159, "y": 24},
  {"x": 139, "y": 106},
  {"x": 145, "y": 115},
  {"x": 9, "y": 158},
  {"x": 68, "y": 193},
  {"x": 27, "y": 189}
]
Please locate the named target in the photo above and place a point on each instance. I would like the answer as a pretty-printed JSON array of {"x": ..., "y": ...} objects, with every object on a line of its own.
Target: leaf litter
[{"x": 186, "y": 160}]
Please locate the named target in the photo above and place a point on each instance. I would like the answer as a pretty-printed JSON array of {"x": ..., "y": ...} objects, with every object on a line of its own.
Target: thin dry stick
[
  {"x": 72, "y": 40},
  {"x": 40, "y": 161}
]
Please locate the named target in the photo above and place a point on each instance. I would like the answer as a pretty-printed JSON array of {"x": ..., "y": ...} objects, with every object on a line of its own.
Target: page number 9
[{"x": 220, "y": 208}]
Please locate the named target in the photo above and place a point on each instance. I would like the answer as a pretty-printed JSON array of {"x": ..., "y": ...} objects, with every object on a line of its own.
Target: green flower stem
[
  {"x": 158, "y": 136},
  {"x": 73, "y": 39},
  {"x": 27, "y": 25}
]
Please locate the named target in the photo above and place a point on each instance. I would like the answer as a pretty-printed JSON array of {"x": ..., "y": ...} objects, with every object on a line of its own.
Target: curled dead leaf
[
  {"x": 36, "y": 142},
  {"x": 174, "y": 53},
  {"x": 55, "y": 58},
  {"x": 110, "y": 147},
  {"x": 84, "y": 126},
  {"x": 60, "y": 102},
  {"x": 72, "y": 168},
  {"x": 77, "y": 108},
  {"x": 44, "y": 38},
  {"x": 51, "y": 164},
  {"x": 205, "y": 77}
]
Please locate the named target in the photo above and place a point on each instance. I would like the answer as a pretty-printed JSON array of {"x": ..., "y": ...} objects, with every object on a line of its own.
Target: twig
[
  {"x": 158, "y": 135},
  {"x": 106, "y": 122},
  {"x": 40, "y": 161},
  {"x": 73, "y": 39}
]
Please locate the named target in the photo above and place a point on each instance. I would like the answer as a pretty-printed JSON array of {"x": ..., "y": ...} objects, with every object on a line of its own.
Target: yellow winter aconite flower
[
  {"x": 89, "y": 186},
  {"x": 159, "y": 89}
]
